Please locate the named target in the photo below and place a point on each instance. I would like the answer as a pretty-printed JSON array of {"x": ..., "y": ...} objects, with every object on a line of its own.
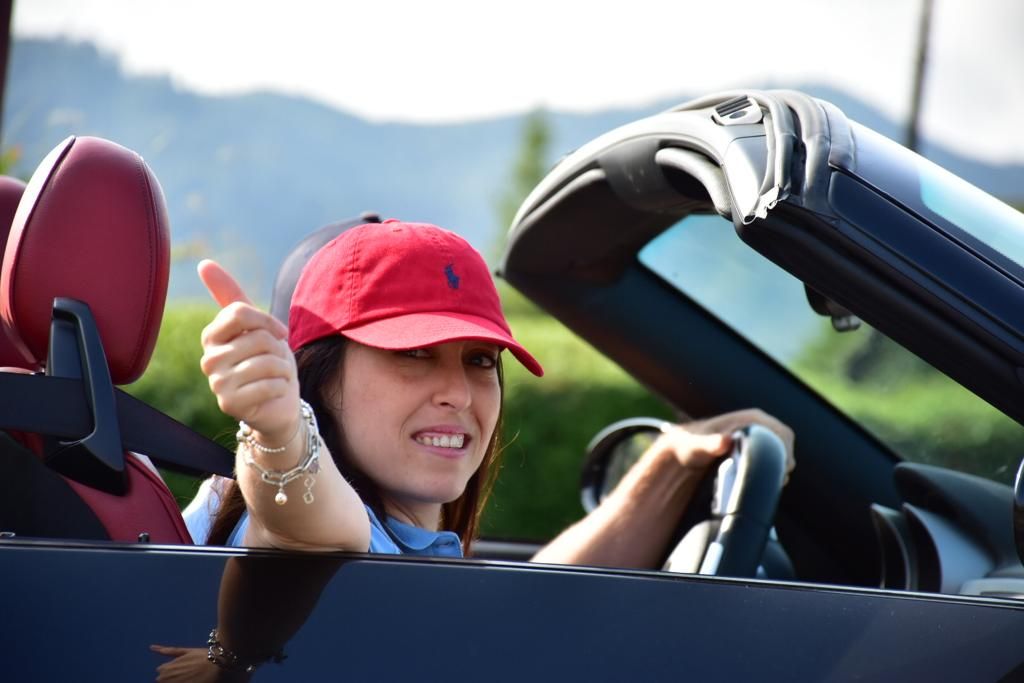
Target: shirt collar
[{"x": 416, "y": 539}]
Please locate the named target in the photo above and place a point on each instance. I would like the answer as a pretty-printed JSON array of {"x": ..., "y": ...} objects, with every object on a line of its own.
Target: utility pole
[
  {"x": 861, "y": 363},
  {"x": 920, "y": 65}
]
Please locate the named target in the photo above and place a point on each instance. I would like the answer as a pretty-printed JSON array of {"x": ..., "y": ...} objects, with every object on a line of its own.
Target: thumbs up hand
[{"x": 247, "y": 361}]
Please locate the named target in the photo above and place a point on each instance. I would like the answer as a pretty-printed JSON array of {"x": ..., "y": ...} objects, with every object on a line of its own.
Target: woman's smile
[{"x": 450, "y": 442}]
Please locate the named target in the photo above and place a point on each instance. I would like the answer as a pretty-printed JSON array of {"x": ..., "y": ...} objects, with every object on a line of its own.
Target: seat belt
[{"x": 57, "y": 406}]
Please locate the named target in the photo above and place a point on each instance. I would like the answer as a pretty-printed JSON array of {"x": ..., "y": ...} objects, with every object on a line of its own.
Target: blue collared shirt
[{"x": 390, "y": 537}]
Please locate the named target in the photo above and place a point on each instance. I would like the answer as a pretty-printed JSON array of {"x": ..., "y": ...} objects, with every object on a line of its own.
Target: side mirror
[{"x": 611, "y": 453}]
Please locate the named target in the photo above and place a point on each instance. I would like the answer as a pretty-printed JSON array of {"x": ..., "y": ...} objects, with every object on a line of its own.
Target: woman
[{"x": 397, "y": 334}]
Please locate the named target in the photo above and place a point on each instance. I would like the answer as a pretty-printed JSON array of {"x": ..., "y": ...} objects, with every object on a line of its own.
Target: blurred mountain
[{"x": 247, "y": 176}]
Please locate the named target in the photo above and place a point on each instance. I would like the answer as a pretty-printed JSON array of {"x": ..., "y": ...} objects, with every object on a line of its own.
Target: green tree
[
  {"x": 9, "y": 159},
  {"x": 530, "y": 167}
]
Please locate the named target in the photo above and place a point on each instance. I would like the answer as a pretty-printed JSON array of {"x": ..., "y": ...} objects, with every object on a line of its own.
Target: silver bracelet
[
  {"x": 225, "y": 659},
  {"x": 308, "y": 467}
]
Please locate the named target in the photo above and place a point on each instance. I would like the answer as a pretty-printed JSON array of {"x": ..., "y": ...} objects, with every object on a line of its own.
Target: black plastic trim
[{"x": 76, "y": 352}]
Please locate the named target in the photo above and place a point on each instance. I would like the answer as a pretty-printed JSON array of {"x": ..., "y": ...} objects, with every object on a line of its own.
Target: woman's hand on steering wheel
[
  {"x": 724, "y": 425},
  {"x": 693, "y": 450}
]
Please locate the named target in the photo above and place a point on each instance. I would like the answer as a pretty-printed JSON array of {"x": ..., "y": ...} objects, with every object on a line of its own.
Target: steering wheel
[
  {"x": 732, "y": 539},
  {"x": 747, "y": 488}
]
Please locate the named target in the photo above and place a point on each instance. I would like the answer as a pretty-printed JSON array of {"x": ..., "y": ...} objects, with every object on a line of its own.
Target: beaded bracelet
[
  {"x": 245, "y": 434},
  {"x": 309, "y": 467}
]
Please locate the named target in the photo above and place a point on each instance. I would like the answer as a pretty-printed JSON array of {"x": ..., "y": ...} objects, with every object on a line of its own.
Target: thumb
[
  {"x": 222, "y": 287},
  {"x": 168, "y": 651}
]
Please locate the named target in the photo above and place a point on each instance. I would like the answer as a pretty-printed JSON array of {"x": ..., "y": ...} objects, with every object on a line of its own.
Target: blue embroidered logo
[{"x": 453, "y": 279}]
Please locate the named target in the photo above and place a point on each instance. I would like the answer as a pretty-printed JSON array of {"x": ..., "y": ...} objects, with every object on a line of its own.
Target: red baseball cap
[{"x": 396, "y": 285}]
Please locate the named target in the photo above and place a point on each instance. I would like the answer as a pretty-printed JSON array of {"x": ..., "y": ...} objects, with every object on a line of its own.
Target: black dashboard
[{"x": 953, "y": 534}]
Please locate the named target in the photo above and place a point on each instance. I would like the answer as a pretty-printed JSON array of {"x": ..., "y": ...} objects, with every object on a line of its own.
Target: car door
[{"x": 77, "y": 612}]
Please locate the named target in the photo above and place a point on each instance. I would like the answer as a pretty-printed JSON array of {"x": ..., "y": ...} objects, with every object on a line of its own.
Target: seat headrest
[
  {"x": 296, "y": 260},
  {"x": 11, "y": 190},
  {"x": 91, "y": 226}
]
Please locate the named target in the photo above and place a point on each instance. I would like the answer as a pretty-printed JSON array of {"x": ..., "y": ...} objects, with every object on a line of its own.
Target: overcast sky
[{"x": 453, "y": 60}]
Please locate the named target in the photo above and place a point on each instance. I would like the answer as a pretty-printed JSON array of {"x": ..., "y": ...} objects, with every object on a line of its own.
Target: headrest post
[{"x": 76, "y": 352}]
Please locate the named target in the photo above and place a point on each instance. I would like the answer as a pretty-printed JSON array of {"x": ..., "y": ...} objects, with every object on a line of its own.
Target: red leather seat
[
  {"x": 92, "y": 226},
  {"x": 11, "y": 191}
]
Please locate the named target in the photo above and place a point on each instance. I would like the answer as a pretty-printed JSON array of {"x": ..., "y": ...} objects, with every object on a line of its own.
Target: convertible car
[{"x": 729, "y": 253}]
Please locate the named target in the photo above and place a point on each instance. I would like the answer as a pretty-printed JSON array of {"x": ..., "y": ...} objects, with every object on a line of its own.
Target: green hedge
[
  {"x": 937, "y": 422},
  {"x": 174, "y": 383},
  {"x": 920, "y": 413}
]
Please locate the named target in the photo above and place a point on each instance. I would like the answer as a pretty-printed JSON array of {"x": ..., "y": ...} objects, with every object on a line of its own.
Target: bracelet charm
[{"x": 308, "y": 468}]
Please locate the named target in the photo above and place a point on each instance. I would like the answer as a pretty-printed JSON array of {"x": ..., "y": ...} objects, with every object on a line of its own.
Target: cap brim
[{"x": 417, "y": 330}]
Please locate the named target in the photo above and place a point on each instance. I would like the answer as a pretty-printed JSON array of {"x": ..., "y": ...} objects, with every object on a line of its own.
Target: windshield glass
[
  {"x": 943, "y": 199},
  {"x": 918, "y": 412},
  {"x": 968, "y": 208}
]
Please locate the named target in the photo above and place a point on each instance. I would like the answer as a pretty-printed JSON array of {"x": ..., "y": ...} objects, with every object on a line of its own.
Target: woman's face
[{"x": 418, "y": 422}]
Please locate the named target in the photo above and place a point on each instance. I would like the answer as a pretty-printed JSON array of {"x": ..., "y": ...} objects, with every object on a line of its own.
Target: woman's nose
[{"x": 453, "y": 390}]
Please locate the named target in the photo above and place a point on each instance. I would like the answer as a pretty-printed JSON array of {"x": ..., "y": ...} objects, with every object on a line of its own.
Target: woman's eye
[
  {"x": 415, "y": 353},
  {"x": 484, "y": 360}
]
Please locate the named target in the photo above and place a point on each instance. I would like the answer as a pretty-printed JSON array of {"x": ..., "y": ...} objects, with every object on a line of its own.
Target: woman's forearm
[
  {"x": 335, "y": 519},
  {"x": 632, "y": 526}
]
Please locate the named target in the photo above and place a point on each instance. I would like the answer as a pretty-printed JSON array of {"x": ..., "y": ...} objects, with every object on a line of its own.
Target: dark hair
[{"x": 319, "y": 366}]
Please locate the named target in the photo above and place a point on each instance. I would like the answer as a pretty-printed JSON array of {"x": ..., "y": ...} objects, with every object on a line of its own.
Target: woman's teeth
[{"x": 445, "y": 441}]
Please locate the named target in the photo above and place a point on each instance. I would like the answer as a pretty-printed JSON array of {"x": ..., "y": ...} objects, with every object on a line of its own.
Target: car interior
[{"x": 852, "y": 513}]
